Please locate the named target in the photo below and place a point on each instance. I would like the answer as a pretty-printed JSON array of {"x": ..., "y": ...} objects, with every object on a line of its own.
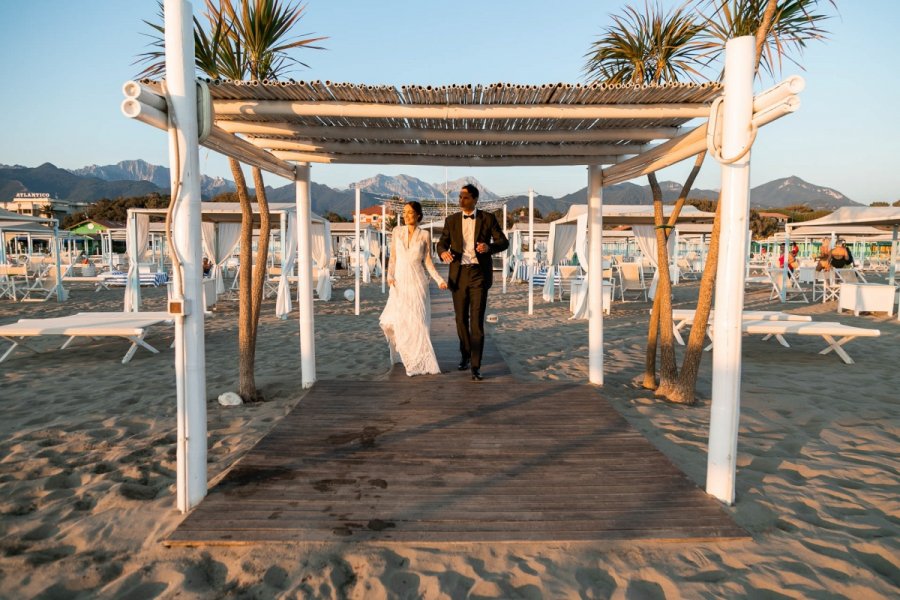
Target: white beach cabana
[
  {"x": 284, "y": 128},
  {"x": 569, "y": 234},
  {"x": 14, "y": 222},
  {"x": 220, "y": 232},
  {"x": 873, "y": 216}
]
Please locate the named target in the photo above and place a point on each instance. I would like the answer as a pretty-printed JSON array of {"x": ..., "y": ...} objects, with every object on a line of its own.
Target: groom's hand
[
  {"x": 446, "y": 256},
  {"x": 481, "y": 248}
]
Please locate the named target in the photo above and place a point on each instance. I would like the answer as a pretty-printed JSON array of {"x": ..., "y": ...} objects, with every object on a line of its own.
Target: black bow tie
[{"x": 472, "y": 216}]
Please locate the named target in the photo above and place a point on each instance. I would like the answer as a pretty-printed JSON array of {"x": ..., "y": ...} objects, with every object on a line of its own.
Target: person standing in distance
[{"x": 469, "y": 239}]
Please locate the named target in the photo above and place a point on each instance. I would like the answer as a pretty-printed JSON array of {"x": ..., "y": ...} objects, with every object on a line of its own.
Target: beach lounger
[
  {"x": 682, "y": 317},
  {"x": 827, "y": 330},
  {"x": 131, "y": 326}
]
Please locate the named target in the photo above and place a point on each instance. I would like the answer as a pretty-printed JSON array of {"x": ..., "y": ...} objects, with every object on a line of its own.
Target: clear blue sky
[{"x": 63, "y": 63}]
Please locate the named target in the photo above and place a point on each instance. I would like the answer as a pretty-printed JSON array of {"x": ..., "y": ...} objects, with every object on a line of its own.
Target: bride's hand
[
  {"x": 443, "y": 285},
  {"x": 390, "y": 281}
]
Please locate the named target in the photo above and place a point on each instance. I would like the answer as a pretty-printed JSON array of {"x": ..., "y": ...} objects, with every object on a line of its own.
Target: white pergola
[{"x": 285, "y": 127}]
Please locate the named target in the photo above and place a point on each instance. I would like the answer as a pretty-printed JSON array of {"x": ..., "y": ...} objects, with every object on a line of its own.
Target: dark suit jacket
[{"x": 487, "y": 230}]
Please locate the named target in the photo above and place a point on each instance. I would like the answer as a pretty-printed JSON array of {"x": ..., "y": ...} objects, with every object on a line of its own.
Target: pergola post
[
  {"x": 184, "y": 157},
  {"x": 595, "y": 274},
  {"x": 358, "y": 265},
  {"x": 304, "y": 268},
  {"x": 532, "y": 252},
  {"x": 505, "y": 252},
  {"x": 384, "y": 244},
  {"x": 729, "y": 300}
]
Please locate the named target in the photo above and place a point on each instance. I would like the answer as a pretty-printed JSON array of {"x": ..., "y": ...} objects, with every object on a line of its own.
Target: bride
[{"x": 406, "y": 319}]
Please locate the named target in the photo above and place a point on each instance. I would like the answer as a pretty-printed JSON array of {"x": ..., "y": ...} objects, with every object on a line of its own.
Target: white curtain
[
  {"x": 137, "y": 238},
  {"x": 645, "y": 236},
  {"x": 288, "y": 258},
  {"x": 582, "y": 246},
  {"x": 562, "y": 240},
  {"x": 320, "y": 234},
  {"x": 219, "y": 241}
]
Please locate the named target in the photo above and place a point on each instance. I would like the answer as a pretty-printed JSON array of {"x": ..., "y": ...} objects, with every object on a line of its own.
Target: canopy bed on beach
[
  {"x": 220, "y": 232},
  {"x": 285, "y": 127}
]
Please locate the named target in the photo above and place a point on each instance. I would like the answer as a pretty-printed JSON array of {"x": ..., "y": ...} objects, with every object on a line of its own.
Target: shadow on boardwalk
[{"x": 444, "y": 459}]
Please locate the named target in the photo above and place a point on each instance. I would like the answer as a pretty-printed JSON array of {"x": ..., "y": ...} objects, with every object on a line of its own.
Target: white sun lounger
[
  {"x": 131, "y": 326},
  {"x": 682, "y": 317},
  {"x": 828, "y": 330}
]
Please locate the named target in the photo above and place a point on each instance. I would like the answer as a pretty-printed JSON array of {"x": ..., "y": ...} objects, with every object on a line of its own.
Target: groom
[{"x": 467, "y": 242}]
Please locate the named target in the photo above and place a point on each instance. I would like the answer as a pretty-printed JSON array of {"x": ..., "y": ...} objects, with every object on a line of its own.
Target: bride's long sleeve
[
  {"x": 392, "y": 259},
  {"x": 429, "y": 263}
]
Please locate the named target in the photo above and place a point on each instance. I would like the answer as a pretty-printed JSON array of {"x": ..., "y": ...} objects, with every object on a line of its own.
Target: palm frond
[
  {"x": 795, "y": 24},
  {"x": 653, "y": 46}
]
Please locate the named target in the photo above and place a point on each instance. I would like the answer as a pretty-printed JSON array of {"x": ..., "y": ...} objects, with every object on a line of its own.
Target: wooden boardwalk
[{"x": 443, "y": 459}]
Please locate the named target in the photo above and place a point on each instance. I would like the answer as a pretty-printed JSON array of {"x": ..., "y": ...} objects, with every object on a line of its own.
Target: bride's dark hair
[{"x": 417, "y": 208}]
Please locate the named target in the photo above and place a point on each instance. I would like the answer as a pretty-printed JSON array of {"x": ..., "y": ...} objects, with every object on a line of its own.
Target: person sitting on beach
[
  {"x": 824, "y": 259},
  {"x": 792, "y": 261},
  {"x": 840, "y": 256},
  {"x": 207, "y": 267}
]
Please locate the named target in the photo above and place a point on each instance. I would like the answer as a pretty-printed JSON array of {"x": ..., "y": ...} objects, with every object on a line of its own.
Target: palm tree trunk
[
  {"x": 683, "y": 391},
  {"x": 764, "y": 27},
  {"x": 246, "y": 346},
  {"x": 668, "y": 370},
  {"x": 650, "y": 382},
  {"x": 262, "y": 253}
]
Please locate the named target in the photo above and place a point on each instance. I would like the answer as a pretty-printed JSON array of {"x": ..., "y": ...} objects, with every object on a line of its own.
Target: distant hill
[
  {"x": 774, "y": 194},
  {"x": 136, "y": 178},
  {"x": 139, "y": 170},
  {"x": 62, "y": 184}
]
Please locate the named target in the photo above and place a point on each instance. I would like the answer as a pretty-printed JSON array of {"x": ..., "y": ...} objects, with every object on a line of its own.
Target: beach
[{"x": 87, "y": 463}]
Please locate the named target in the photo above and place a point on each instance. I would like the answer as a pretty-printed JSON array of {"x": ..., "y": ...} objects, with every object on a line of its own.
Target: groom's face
[{"x": 466, "y": 201}]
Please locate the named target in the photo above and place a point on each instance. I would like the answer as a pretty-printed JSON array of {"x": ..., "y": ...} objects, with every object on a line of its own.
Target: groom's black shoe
[
  {"x": 463, "y": 364},
  {"x": 476, "y": 375}
]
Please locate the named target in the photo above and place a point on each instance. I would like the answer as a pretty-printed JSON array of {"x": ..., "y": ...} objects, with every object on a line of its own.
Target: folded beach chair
[
  {"x": 827, "y": 330},
  {"x": 43, "y": 287},
  {"x": 793, "y": 289}
]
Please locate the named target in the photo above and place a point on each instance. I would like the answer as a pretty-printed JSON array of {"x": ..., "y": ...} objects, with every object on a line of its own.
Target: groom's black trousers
[{"x": 469, "y": 303}]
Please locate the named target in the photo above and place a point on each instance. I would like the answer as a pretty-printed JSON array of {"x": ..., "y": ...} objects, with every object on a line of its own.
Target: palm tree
[
  {"x": 243, "y": 39},
  {"x": 778, "y": 27},
  {"x": 653, "y": 47}
]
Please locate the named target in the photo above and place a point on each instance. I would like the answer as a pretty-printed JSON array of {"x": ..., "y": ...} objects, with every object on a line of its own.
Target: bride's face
[{"x": 409, "y": 215}]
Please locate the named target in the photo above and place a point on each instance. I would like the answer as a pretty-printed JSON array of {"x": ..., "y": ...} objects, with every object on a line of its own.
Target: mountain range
[{"x": 137, "y": 178}]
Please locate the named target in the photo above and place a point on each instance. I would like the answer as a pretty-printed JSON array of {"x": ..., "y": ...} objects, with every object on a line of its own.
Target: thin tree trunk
[
  {"x": 246, "y": 348},
  {"x": 668, "y": 369},
  {"x": 262, "y": 253},
  {"x": 663, "y": 388},
  {"x": 652, "y": 345},
  {"x": 683, "y": 391},
  {"x": 763, "y": 32}
]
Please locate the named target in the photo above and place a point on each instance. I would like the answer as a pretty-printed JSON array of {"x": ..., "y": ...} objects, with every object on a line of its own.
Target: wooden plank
[{"x": 442, "y": 459}]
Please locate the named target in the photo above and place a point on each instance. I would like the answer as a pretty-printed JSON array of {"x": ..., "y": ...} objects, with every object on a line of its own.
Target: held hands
[
  {"x": 446, "y": 256},
  {"x": 443, "y": 285},
  {"x": 481, "y": 248}
]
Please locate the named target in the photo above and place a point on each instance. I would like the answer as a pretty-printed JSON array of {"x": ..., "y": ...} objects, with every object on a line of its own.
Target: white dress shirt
[{"x": 468, "y": 229}]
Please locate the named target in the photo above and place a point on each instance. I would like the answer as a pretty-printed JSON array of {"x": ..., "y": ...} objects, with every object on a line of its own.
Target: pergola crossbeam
[
  {"x": 287, "y": 108},
  {"x": 285, "y": 128},
  {"x": 446, "y": 161},
  {"x": 448, "y": 150}
]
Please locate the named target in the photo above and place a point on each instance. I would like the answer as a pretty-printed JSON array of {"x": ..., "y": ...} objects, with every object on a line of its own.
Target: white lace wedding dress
[{"x": 406, "y": 319}]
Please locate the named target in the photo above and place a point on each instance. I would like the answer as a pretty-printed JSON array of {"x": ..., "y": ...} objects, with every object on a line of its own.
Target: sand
[{"x": 87, "y": 465}]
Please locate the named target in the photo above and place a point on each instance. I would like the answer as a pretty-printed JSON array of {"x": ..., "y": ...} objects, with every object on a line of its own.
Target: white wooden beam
[
  {"x": 446, "y": 150},
  {"x": 449, "y": 161},
  {"x": 286, "y": 108},
  {"x": 724, "y": 419},
  {"x": 374, "y": 134}
]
